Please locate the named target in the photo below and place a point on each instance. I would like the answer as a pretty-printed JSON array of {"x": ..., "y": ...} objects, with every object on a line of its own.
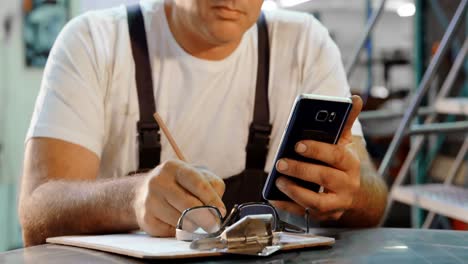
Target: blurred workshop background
[{"x": 406, "y": 58}]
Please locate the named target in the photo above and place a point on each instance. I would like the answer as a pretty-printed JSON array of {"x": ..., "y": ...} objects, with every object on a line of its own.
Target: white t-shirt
[{"x": 88, "y": 94}]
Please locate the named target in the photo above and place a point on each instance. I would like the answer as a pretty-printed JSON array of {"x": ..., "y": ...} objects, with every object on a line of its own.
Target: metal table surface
[{"x": 381, "y": 245}]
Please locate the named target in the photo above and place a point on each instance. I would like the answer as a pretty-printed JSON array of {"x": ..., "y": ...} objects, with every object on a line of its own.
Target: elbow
[
  {"x": 33, "y": 232},
  {"x": 32, "y": 238}
]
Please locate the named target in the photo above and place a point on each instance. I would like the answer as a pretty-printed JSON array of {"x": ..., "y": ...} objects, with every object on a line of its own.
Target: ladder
[{"x": 444, "y": 199}]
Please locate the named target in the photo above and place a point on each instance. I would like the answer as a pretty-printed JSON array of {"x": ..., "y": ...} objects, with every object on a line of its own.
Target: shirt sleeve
[
  {"x": 323, "y": 71},
  {"x": 70, "y": 105}
]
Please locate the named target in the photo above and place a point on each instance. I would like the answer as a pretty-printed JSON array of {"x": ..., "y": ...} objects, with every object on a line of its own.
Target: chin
[{"x": 226, "y": 32}]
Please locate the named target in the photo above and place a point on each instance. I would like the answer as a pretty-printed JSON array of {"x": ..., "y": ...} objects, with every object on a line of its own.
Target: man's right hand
[{"x": 171, "y": 188}]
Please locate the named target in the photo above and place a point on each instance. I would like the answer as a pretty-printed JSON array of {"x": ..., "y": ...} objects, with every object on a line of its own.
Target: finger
[
  {"x": 323, "y": 202},
  {"x": 194, "y": 182},
  {"x": 353, "y": 115},
  {"x": 182, "y": 200},
  {"x": 298, "y": 210},
  {"x": 321, "y": 217},
  {"x": 338, "y": 156},
  {"x": 329, "y": 178},
  {"x": 164, "y": 211},
  {"x": 336, "y": 216},
  {"x": 188, "y": 225},
  {"x": 289, "y": 207},
  {"x": 177, "y": 196},
  {"x": 205, "y": 218},
  {"x": 157, "y": 228},
  {"x": 215, "y": 182},
  {"x": 165, "y": 185}
]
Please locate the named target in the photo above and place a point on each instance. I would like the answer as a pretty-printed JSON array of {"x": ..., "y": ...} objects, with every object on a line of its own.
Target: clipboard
[{"x": 140, "y": 245}]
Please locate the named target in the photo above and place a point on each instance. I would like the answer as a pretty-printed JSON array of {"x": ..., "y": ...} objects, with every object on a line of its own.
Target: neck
[{"x": 193, "y": 43}]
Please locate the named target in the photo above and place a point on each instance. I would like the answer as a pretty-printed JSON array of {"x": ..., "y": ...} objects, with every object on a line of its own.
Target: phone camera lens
[
  {"x": 332, "y": 117},
  {"x": 322, "y": 116}
]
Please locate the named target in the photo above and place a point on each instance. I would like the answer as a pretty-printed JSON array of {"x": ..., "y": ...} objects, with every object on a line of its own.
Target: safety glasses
[{"x": 207, "y": 221}]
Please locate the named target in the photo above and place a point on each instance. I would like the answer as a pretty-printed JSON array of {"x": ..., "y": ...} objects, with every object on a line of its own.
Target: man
[{"x": 82, "y": 141}]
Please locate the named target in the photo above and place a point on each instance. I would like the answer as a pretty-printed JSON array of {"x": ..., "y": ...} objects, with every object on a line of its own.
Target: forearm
[{"x": 58, "y": 208}]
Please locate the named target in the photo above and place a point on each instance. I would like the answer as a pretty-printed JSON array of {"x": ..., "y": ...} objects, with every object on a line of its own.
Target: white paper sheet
[{"x": 140, "y": 245}]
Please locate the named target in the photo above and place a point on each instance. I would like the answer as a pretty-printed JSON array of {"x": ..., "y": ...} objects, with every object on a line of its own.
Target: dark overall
[{"x": 244, "y": 187}]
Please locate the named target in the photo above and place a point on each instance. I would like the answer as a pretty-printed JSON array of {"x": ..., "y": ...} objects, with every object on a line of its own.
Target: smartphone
[{"x": 313, "y": 117}]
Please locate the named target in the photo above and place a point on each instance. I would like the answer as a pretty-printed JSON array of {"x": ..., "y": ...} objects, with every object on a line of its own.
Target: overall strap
[
  {"x": 260, "y": 129},
  {"x": 149, "y": 140}
]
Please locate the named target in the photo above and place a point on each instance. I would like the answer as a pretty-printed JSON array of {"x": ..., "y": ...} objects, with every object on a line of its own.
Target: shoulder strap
[
  {"x": 148, "y": 130},
  {"x": 260, "y": 129}
]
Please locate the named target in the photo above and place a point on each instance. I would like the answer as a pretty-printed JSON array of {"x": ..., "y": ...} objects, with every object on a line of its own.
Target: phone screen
[{"x": 319, "y": 118}]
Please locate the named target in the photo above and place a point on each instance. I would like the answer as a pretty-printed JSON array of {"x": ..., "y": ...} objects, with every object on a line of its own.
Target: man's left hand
[{"x": 341, "y": 179}]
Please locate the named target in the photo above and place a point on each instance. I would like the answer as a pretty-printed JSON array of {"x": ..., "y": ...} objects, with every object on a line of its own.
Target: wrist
[{"x": 139, "y": 194}]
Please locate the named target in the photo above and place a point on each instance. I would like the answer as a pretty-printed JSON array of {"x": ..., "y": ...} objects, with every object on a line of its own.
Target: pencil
[{"x": 169, "y": 137}]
